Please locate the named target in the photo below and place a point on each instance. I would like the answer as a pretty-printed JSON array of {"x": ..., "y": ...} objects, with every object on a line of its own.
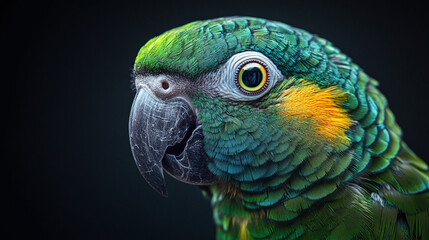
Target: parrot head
[{"x": 241, "y": 101}]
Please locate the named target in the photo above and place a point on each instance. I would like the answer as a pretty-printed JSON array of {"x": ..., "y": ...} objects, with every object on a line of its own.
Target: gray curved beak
[{"x": 164, "y": 136}]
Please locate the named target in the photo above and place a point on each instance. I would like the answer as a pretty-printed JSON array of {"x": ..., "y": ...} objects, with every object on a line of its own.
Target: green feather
[
  {"x": 341, "y": 164},
  {"x": 418, "y": 224},
  {"x": 321, "y": 190},
  {"x": 385, "y": 222}
]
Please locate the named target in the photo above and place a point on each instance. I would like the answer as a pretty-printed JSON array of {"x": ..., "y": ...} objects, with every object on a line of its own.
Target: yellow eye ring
[{"x": 252, "y": 77}]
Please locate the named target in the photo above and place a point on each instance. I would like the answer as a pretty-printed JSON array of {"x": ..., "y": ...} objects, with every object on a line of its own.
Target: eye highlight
[{"x": 252, "y": 77}]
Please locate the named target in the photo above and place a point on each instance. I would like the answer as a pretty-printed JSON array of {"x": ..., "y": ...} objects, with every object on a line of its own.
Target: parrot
[{"x": 284, "y": 134}]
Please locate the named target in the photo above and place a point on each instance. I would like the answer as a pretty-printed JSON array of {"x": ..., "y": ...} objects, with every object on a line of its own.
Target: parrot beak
[{"x": 164, "y": 135}]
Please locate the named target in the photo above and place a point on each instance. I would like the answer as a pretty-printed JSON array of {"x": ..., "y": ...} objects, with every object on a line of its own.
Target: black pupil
[{"x": 252, "y": 77}]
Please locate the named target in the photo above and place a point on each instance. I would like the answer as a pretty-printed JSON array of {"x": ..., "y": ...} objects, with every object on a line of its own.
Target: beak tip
[
  {"x": 161, "y": 190},
  {"x": 159, "y": 187},
  {"x": 156, "y": 180}
]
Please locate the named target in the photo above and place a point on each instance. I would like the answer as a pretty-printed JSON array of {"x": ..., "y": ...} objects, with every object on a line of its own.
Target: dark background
[{"x": 69, "y": 172}]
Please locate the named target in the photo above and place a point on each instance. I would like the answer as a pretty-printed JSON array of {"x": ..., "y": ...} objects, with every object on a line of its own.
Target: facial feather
[{"x": 322, "y": 108}]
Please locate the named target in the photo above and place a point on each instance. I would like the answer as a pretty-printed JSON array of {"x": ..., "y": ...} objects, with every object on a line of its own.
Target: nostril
[{"x": 165, "y": 85}]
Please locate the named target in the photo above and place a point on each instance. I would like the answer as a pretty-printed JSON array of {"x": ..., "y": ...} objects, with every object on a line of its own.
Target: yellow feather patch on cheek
[{"x": 320, "y": 108}]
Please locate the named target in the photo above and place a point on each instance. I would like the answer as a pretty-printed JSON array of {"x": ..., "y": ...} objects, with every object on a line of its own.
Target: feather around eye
[{"x": 258, "y": 76}]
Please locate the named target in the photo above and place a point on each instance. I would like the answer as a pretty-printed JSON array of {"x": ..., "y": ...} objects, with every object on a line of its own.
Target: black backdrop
[{"x": 69, "y": 172}]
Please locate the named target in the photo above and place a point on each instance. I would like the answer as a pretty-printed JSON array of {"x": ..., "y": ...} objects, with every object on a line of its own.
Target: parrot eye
[
  {"x": 246, "y": 76},
  {"x": 252, "y": 77}
]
